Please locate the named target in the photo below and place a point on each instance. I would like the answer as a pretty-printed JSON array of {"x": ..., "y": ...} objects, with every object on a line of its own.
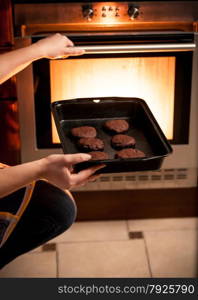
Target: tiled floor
[{"x": 132, "y": 248}]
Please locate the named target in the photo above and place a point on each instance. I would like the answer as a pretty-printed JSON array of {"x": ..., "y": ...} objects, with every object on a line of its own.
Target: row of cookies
[
  {"x": 86, "y": 140},
  {"x": 122, "y": 142}
]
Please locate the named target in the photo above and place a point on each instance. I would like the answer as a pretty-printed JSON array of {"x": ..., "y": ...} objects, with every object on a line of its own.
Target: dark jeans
[{"x": 49, "y": 213}]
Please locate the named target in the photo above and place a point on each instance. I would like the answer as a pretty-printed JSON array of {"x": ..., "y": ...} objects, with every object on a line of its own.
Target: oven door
[
  {"x": 158, "y": 67},
  {"x": 155, "y": 68}
]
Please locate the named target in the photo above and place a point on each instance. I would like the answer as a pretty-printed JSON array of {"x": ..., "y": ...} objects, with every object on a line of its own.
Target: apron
[{"x": 8, "y": 221}]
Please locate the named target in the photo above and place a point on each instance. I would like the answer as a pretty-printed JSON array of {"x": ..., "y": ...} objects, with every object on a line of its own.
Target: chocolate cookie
[
  {"x": 116, "y": 126},
  {"x": 89, "y": 144},
  {"x": 98, "y": 155},
  {"x": 84, "y": 132},
  {"x": 129, "y": 153},
  {"x": 120, "y": 141}
]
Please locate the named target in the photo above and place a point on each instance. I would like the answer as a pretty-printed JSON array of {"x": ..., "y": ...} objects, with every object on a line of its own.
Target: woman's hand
[
  {"x": 54, "y": 46},
  {"x": 56, "y": 169},
  {"x": 57, "y": 46}
]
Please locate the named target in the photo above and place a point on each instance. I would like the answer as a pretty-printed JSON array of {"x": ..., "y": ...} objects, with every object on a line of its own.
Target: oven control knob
[
  {"x": 133, "y": 12},
  {"x": 88, "y": 12}
]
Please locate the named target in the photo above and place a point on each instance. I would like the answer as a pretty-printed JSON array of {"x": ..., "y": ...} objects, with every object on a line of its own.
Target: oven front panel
[
  {"x": 70, "y": 16},
  {"x": 156, "y": 75}
]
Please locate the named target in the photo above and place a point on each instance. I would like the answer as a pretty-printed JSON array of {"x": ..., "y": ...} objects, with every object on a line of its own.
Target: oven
[{"x": 132, "y": 49}]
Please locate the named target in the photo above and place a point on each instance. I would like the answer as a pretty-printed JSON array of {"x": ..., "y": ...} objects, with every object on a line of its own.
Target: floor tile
[
  {"x": 103, "y": 259},
  {"x": 36, "y": 265},
  {"x": 162, "y": 224},
  {"x": 173, "y": 253},
  {"x": 94, "y": 231}
]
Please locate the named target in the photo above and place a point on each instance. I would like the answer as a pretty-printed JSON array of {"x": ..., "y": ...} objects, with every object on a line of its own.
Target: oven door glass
[{"x": 148, "y": 78}]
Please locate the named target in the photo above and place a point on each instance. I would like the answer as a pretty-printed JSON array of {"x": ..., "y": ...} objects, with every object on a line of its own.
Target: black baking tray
[{"x": 94, "y": 112}]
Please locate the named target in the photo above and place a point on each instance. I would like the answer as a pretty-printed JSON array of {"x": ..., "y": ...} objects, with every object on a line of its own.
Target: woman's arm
[
  {"x": 53, "y": 46},
  {"x": 55, "y": 168}
]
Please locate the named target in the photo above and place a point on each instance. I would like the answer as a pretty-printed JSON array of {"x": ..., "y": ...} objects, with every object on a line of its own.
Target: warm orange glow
[{"x": 149, "y": 78}]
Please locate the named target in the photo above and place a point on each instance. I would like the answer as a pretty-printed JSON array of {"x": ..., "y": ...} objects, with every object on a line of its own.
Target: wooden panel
[
  {"x": 9, "y": 126},
  {"x": 9, "y": 133},
  {"x": 6, "y": 27},
  {"x": 8, "y": 88},
  {"x": 137, "y": 204},
  {"x": 138, "y": 26},
  {"x": 195, "y": 26}
]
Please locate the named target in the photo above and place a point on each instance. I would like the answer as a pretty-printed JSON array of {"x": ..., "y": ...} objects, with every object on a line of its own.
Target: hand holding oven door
[{"x": 171, "y": 64}]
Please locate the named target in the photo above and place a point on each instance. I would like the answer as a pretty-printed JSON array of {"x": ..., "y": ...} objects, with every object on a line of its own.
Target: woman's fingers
[
  {"x": 93, "y": 178},
  {"x": 90, "y": 179},
  {"x": 85, "y": 175},
  {"x": 73, "y": 51},
  {"x": 69, "y": 43},
  {"x": 73, "y": 159}
]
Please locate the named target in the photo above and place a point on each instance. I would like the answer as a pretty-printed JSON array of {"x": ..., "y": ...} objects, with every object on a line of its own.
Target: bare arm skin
[
  {"x": 54, "y": 168},
  {"x": 54, "y": 46}
]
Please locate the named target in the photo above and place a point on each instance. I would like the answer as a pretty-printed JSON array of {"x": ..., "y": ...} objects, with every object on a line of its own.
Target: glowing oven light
[{"x": 149, "y": 78}]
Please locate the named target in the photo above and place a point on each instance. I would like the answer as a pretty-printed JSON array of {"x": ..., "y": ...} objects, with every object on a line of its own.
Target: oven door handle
[{"x": 138, "y": 48}]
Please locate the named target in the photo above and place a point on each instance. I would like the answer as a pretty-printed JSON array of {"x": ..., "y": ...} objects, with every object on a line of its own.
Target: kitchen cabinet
[
  {"x": 6, "y": 27},
  {"x": 9, "y": 126}
]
